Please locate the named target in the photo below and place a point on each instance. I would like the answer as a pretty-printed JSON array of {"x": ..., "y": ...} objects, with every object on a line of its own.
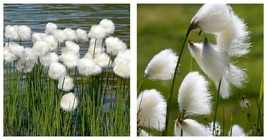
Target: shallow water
[{"x": 74, "y": 16}]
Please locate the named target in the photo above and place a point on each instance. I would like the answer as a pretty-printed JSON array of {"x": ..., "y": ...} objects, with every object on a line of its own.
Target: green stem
[
  {"x": 223, "y": 124},
  {"x": 140, "y": 85},
  {"x": 231, "y": 127},
  {"x": 259, "y": 119},
  {"x": 173, "y": 82},
  {"x": 191, "y": 64},
  {"x": 216, "y": 106}
]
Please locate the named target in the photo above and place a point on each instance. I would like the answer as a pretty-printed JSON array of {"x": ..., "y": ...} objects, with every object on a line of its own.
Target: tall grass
[{"x": 32, "y": 103}]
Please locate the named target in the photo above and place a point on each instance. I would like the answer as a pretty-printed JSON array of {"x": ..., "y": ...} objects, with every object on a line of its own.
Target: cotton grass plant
[
  {"x": 53, "y": 90},
  {"x": 195, "y": 100},
  {"x": 161, "y": 69},
  {"x": 151, "y": 107}
]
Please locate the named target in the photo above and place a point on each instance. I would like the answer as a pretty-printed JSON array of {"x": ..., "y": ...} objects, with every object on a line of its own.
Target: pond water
[{"x": 74, "y": 16}]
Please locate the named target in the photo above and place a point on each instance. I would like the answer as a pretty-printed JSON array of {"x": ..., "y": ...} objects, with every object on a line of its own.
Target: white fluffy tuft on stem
[
  {"x": 65, "y": 83},
  {"x": 49, "y": 58},
  {"x": 151, "y": 108},
  {"x": 122, "y": 64},
  {"x": 194, "y": 97},
  {"x": 69, "y": 102},
  {"x": 190, "y": 128},
  {"x": 24, "y": 32},
  {"x": 50, "y": 28},
  {"x": 107, "y": 25},
  {"x": 215, "y": 64},
  {"x": 162, "y": 66},
  {"x": 88, "y": 67},
  {"x": 230, "y": 31}
]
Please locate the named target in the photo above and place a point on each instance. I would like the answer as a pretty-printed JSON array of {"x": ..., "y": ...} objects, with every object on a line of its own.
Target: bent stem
[
  {"x": 216, "y": 107},
  {"x": 173, "y": 82}
]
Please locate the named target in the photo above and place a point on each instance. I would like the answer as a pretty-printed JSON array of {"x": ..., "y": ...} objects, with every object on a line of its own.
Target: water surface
[{"x": 74, "y": 16}]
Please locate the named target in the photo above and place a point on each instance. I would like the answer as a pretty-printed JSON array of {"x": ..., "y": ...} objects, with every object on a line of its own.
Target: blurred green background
[{"x": 165, "y": 26}]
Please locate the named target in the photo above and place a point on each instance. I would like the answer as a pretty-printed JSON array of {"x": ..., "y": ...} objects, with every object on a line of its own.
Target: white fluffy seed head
[
  {"x": 103, "y": 60},
  {"x": 70, "y": 34},
  {"x": 24, "y": 65},
  {"x": 151, "y": 107},
  {"x": 11, "y": 32},
  {"x": 162, "y": 66},
  {"x": 71, "y": 47},
  {"x": 8, "y": 55},
  {"x": 108, "y": 26},
  {"x": 212, "y": 18},
  {"x": 114, "y": 45},
  {"x": 69, "y": 102},
  {"x": 211, "y": 59},
  {"x": 16, "y": 48},
  {"x": 38, "y": 37},
  {"x": 65, "y": 83},
  {"x": 88, "y": 67},
  {"x": 30, "y": 55},
  {"x": 69, "y": 59},
  {"x": 56, "y": 70},
  {"x": 51, "y": 41},
  {"x": 24, "y": 32},
  {"x": 125, "y": 54},
  {"x": 97, "y": 31},
  {"x": 215, "y": 64},
  {"x": 60, "y": 35},
  {"x": 122, "y": 69},
  {"x": 122, "y": 64},
  {"x": 194, "y": 97},
  {"x": 190, "y": 128},
  {"x": 50, "y": 28},
  {"x": 81, "y": 35},
  {"x": 236, "y": 131},
  {"x": 240, "y": 43},
  {"x": 231, "y": 32},
  {"x": 48, "y": 58},
  {"x": 27, "y": 61},
  {"x": 40, "y": 48},
  {"x": 236, "y": 76},
  {"x": 234, "y": 39}
]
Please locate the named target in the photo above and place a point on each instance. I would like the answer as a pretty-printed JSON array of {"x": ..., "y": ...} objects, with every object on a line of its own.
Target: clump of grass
[{"x": 97, "y": 101}]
